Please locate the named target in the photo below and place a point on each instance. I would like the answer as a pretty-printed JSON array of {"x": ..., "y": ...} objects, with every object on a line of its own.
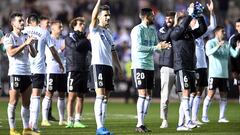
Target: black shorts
[
  {"x": 20, "y": 82},
  {"x": 77, "y": 82},
  {"x": 201, "y": 77},
  {"x": 221, "y": 83},
  {"x": 185, "y": 80},
  {"x": 56, "y": 82},
  {"x": 101, "y": 76},
  {"x": 38, "y": 81},
  {"x": 143, "y": 79}
]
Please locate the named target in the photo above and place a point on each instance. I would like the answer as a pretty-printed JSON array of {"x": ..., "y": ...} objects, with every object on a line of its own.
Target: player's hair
[
  {"x": 170, "y": 13},
  {"x": 74, "y": 21},
  {"x": 219, "y": 27},
  {"x": 104, "y": 8},
  {"x": 145, "y": 12},
  {"x": 15, "y": 14},
  {"x": 43, "y": 18},
  {"x": 33, "y": 18},
  {"x": 238, "y": 20},
  {"x": 55, "y": 22}
]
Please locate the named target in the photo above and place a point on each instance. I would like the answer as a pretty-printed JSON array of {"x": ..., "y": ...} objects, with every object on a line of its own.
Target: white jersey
[
  {"x": 102, "y": 46},
  {"x": 18, "y": 64},
  {"x": 52, "y": 65},
  {"x": 43, "y": 38}
]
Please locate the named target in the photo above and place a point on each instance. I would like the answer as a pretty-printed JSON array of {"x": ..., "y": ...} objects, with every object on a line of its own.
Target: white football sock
[
  {"x": 191, "y": 98},
  {"x": 195, "y": 108},
  {"x": 98, "y": 111},
  {"x": 146, "y": 105},
  {"x": 11, "y": 116},
  {"x": 34, "y": 111},
  {"x": 185, "y": 107},
  {"x": 206, "y": 104},
  {"x": 104, "y": 110},
  {"x": 140, "y": 110},
  {"x": 181, "y": 116},
  {"x": 61, "y": 108},
  {"x": 222, "y": 107},
  {"x": 77, "y": 117},
  {"x": 45, "y": 107},
  {"x": 25, "y": 114}
]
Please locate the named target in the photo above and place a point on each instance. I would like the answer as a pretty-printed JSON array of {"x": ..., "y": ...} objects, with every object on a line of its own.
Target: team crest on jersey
[
  {"x": 70, "y": 88},
  {"x": 50, "y": 88},
  {"x": 100, "y": 83},
  {"x": 186, "y": 85},
  {"x": 139, "y": 82}
]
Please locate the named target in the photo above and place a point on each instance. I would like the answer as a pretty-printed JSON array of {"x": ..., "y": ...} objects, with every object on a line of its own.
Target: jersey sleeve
[
  {"x": 49, "y": 40},
  {"x": 8, "y": 40}
]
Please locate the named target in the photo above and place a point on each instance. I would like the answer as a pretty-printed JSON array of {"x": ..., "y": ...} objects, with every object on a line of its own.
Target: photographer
[{"x": 77, "y": 66}]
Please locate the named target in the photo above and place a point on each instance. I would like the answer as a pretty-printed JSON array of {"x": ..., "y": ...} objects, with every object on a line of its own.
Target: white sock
[
  {"x": 77, "y": 117},
  {"x": 25, "y": 114},
  {"x": 70, "y": 119},
  {"x": 61, "y": 108},
  {"x": 181, "y": 116},
  {"x": 195, "y": 108},
  {"x": 206, "y": 104},
  {"x": 146, "y": 105},
  {"x": 34, "y": 111},
  {"x": 11, "y": 116},
  {"x": 222, "y": 107},
  {"x": 140, "y": 110},
  {"x": 45, "y": 107},
  {"x": 98, "y": 111},
  {"x": 185, "y": 107},
  {"x": 104, "y": 110},
  {"x": 191, "y": 98}
]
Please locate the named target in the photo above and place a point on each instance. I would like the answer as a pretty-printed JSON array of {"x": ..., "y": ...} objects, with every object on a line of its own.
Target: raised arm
[
  {"x": 213, "y": 21},
  {"x": 95, "y": 14}
]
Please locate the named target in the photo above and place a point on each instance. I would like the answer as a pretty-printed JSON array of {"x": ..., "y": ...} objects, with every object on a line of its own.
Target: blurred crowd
[{"x": 124, "y": 17}]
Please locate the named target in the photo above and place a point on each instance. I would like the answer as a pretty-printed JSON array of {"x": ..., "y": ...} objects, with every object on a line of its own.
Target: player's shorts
[
  {"x": 201, "y": 77},
  {"x": 38, "y": 81},
  {"x": 56, "y": 82},
  {"x": 143, "y": 79},
  {"x": 101, "y": 76},
  {"x": 185, "y": 80},
  {"x": 221, "y": 83},
  {"x": 20, "y": 82},
  {"x": 77, "y": 82}
]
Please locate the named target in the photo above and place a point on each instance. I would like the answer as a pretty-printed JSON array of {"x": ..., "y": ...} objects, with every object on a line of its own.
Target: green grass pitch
[{"x": 121, "y": 120}]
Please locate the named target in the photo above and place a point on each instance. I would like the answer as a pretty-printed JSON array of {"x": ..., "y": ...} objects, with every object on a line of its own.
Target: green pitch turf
[{"x": 121, "y": 120}]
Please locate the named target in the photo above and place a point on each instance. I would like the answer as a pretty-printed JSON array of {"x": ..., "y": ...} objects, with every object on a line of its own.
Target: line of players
[
  {"x": 47, "y": 56},
  {"x": 179, "y": 58}
]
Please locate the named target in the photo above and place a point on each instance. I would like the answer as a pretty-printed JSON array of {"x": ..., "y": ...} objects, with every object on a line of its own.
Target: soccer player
[
  {"x": 103, "y": 57},
  {"x": 183, "y": 40},
  {"x": 56, "y": 79},
  {"x": 38, "y": 68},
  {"x": 144, "y": 43},
  {"x": 167, "y": 74},
  {"x": 18, "y": 47},
  {"x": 45, "y": 24},
  {"x": 201, "y": 65},
  {"x": 77, "y": 48},
  {"x": 218, "y": 51},
  {"x": 235, "y": 62}
]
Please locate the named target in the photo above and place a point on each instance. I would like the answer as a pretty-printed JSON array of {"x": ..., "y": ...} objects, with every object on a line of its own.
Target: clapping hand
[{"x": 164, "y": 45}]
